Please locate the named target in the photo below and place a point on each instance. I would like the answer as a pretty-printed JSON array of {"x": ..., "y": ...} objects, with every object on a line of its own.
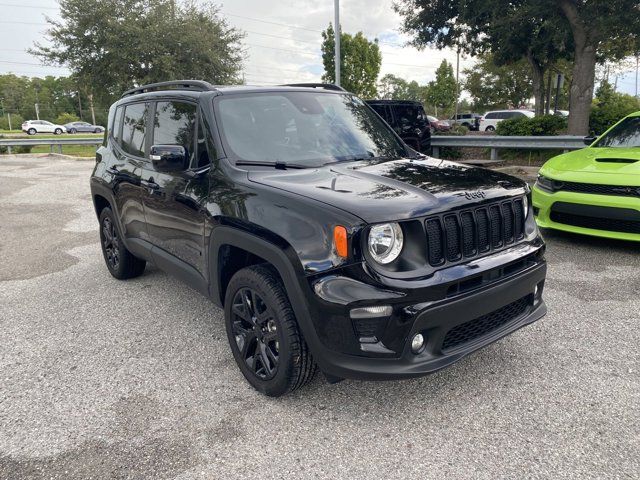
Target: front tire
[
  {"x": 263, "y": 333},
  {"x": 490, "y": 129},
  {"x": 122, "y": 264},
  {"x": 57, "y": 131},
  {"x": 31, "y": 131},
  {"x": 72, "y": 131}
]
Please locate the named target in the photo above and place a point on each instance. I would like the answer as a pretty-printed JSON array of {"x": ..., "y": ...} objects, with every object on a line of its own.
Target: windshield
[
  {"x": 306, "y": 128},
  {"x": 624, "y": 135}
]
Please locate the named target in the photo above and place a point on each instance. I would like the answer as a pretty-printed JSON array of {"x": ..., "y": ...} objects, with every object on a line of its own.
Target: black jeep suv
[{"x": 327, "y": 241}]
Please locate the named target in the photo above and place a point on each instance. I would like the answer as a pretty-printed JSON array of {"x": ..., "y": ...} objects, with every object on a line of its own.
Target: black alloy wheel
[
  {"x": 110, "y": 243},
  {"x": 255, "y": 333}
]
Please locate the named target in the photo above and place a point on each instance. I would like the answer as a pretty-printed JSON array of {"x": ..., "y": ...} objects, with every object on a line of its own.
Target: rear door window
[
  {"x": 116, "y": 128},
  {"x": 134, "y": 129}
]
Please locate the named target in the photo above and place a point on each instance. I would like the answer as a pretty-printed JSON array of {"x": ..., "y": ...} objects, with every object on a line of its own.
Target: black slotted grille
[
  {"x": 596, "y": 223},
  {"x": 478, "y": 327},
  {"x": 473, "y": 232},
  {"x": 598, "y": 189}
]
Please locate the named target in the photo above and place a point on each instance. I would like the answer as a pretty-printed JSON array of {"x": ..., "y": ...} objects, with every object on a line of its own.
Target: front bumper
[
  {"x": 618, "y": 209},
  {"x": 474, "y": 319}
]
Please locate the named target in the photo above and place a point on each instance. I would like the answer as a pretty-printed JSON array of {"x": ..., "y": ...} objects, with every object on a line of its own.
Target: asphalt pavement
[{"x": 106, "y": 379}]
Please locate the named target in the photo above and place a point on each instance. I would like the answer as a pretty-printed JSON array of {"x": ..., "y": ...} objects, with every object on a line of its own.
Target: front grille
[
  {"x": 468, "y": 331},
  {"x": 596, "y": 223},
  {"x": 597, "y": 189},
  {"x": 472, "y": 232}
]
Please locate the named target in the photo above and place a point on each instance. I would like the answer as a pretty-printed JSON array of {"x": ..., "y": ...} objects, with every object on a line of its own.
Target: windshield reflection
[
  {"x": 308, "y": 128},
  {"x": 624, "y": 135}
]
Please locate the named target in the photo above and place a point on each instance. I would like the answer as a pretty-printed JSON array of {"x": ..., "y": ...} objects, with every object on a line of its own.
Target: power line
[{"x": 34, "y": 64}]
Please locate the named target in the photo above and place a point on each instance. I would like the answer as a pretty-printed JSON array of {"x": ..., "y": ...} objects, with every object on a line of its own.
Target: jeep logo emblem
[{"x": 479, "y": 194}]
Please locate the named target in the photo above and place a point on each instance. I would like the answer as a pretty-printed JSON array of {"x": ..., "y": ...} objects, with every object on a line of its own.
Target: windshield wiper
[{"x": 277, "y": 164}]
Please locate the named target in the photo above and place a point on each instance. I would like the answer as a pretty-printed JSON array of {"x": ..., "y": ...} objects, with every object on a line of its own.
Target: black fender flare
[{"x": 292, "y": 275}]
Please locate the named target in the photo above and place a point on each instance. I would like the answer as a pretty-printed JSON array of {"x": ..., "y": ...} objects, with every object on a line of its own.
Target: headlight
[
  {"x": 385, "y": 242},
  {"x": 525, "y": 205},
  {"x": 546, "y": 183}
]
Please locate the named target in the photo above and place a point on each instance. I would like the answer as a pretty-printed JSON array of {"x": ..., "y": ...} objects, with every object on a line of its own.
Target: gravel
[{"x": 106, "y": 379}]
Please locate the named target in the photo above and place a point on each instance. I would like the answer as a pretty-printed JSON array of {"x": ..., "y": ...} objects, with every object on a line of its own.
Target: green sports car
[{"x": 595, "y": 190}]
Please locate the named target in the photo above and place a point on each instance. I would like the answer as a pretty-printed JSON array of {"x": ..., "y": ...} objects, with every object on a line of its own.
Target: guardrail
[
  {"x": 52, "y": 142},
  {"x": 495, "y": 142}
]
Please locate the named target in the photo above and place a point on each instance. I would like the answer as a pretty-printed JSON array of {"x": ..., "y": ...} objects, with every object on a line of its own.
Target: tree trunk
[
  {"x": 584, "y": 70},
  {"x": 537, "y": 75}
]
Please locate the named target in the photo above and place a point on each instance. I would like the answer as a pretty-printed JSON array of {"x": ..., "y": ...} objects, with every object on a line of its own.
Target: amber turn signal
[{"x": 340, "y": 241}]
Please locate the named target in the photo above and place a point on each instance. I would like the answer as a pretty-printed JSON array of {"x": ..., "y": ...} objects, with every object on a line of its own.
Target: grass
[{"x": 73, "y": 150}]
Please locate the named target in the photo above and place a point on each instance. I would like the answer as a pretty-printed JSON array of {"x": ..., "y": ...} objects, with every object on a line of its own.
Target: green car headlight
[{"x": 546, "y": 183}]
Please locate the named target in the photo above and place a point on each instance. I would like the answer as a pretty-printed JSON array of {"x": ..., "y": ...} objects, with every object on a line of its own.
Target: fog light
[{"x": 417, "y": 343}]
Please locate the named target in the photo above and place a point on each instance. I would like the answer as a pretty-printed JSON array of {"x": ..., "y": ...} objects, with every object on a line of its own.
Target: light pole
[{"x": 337, "y": 36}]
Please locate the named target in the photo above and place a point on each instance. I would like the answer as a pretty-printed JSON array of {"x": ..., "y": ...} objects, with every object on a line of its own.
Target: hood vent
[{"x": 616, "y": 160}]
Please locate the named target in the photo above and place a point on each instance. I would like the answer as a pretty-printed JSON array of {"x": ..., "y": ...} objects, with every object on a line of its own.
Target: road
[{"x": 107, "y": 379}]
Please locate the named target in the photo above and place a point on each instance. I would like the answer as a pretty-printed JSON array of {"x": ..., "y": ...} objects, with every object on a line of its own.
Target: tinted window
[
  {"x": 408, "y": 115},
  {"x": 382, "y": 111},
  {"x": 625, "y": 134},
  {"x": 202, "y": 152},
  {"x": 303, "y": 127},
  {"x": 175, "y": 124},
  {"x": 134, "y": 128},
  {"x": 117, "y": 123}
]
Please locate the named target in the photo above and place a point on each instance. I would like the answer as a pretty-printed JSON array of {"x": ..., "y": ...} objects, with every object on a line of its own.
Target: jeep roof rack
[
  {"x": 193, "y": 85},
  {"x": 326, "y": 86}
]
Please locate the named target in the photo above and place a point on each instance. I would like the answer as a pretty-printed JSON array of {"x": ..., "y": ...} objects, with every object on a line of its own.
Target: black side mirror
[
  {"x": 589, "y": 140},
  {"x": 168, "y": 158}
]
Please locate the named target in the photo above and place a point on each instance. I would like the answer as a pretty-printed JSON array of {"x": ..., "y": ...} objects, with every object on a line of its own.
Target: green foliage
[
  {"x": 441, "y": 92},
  {"x": 452, "y": 153},
  {"x": 610, "y": 106},
  {"x": 113, "y": 45},
  {"x": 16, "y": 121},
  {"x": 392, "y": 87},
  {"x": 498, "y": 87},
  {"x": 360, "y": 61},
  {"x": 3, "y": 149},
  {"x": 66, "y": 117},
  {"x": 536, "y": 126}
]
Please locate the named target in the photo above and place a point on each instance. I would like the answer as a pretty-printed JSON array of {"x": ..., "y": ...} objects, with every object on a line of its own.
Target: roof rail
[
  {"x": 194, "y": 85},
  {"x": 326, "y": 86}
]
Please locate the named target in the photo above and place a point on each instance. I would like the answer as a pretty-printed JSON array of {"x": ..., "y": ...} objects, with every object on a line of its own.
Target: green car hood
[{"x": 588, "y": 161}]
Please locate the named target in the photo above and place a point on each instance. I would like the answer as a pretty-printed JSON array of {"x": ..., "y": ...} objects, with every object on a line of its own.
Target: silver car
[{"x": 75, "y": 127}]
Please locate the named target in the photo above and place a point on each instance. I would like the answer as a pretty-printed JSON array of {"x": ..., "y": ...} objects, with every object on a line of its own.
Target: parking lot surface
[{"x": 107, "y": 379}]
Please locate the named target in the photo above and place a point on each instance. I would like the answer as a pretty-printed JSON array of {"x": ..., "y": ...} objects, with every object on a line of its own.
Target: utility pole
[
  {"x": 637, "y": 61},
  {"x": 455, "y": 118},
  {"x": 93, "y": 113},
  {"x": 37, "y": 111},
  {"x": 337, "y": 37}
]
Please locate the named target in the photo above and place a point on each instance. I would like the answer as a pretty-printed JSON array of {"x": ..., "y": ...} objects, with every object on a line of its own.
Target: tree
[
  {"x": 360, "y": 61},
  {"x": 112, "y": 45},
  {"x": 441, "y": 92},
  {"x": 392, "y": 87},
  {"x": 492, "y": 86},
  {"x": 610, "y": 106},
  {"x": 544, "y": 30}
]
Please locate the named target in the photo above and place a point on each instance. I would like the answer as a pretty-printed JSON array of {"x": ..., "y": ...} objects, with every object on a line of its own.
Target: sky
[{"x": 282, "y": 40}]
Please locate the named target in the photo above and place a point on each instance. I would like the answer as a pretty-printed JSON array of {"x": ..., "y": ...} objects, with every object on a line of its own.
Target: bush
[
  {"x": 2, "y": 149},
  {"x": 16, "y": 122},
  {"x": 609, "y": 107},
  {"x": 452, "y": 153},
  {"x": 66, "y": 118},
  {"x": 536, "y": 126}
]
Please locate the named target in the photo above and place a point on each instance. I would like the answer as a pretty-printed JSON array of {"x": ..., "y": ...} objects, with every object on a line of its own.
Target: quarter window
[
  {"x": 117, "y": 123},
  {"x": 175, "y": 124},
  {"x": 134, "y": 128}
]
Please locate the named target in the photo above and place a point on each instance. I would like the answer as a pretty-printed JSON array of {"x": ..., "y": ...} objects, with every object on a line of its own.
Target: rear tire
[
  {"x": 97, "y": 130},
  {"x": 263, "y": 333},
  {"x": 122, "y": 264}
]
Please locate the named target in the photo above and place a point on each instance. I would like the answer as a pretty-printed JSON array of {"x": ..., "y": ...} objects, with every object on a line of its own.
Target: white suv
[
  {"x": 42, "y": 126},
  {"x": 490, "y": 120}
]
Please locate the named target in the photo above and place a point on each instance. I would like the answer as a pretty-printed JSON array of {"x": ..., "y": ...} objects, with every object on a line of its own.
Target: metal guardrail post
[
  {"x": 494, "y": 154},
  {"x": 435, "y": 152}
]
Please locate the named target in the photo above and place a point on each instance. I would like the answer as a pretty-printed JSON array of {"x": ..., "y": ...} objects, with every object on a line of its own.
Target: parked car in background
[
  {"x": 596, "y": 190},
  {"x": 408, "y": 119},
  {"x": 438, "y": 125},
  {"x": 42, "y": 126},
  {"x": 469, "y": 120},
  {"x": 75, "y": 127},
  {"x": 490, "y": 120}
]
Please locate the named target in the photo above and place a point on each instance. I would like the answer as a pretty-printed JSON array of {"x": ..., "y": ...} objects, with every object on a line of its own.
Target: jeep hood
[
  {"x": 587, "y": 161},
  {"x": 393, "y": 190}
]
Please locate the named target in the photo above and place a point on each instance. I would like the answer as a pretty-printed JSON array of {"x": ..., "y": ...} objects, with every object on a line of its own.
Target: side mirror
[
  {"x": 168, "y": 158},
  {"x": 589, "y": 140}
]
